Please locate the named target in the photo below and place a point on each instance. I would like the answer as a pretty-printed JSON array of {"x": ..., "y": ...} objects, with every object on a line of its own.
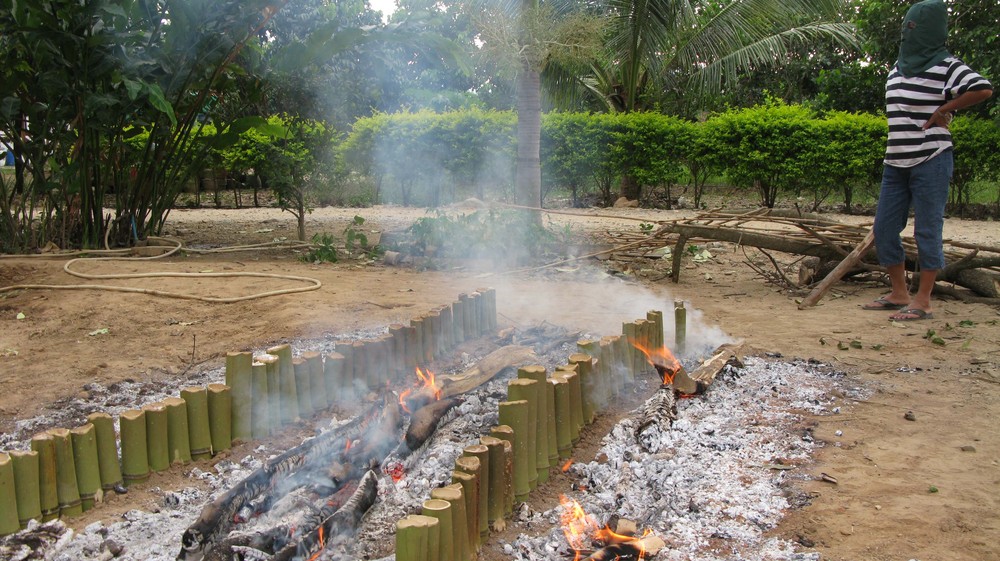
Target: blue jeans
[{"x": 925, "y": 188}]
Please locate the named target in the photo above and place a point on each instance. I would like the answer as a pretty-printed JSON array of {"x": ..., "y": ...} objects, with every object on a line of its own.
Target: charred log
[
  {"x": 425, "y": 421},
  {"x": 642, "y": 548},
  {"x": 656, "y": 417}
]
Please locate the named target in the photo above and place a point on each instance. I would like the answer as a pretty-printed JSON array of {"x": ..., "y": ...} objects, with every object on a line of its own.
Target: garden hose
[{"x": 313, "y": 284}]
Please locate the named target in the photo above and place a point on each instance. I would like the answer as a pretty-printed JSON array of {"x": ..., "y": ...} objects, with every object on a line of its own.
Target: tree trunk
[
  {"x": 630, "y": 188},
  {"x": 529, "y": 131}
]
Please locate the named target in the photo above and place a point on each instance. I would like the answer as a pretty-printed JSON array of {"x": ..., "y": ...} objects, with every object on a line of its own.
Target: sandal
[
  {"x": 911, "y": 314},
  {"x": 881, "y": 303}
]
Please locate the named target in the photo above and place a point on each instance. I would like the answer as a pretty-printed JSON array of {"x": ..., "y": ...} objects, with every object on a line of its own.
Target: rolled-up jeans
[{"x": 925, "y": 188}]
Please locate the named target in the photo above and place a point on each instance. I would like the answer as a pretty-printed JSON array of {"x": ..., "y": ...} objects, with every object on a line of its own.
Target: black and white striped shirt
[{"x": 911, "y": 101}]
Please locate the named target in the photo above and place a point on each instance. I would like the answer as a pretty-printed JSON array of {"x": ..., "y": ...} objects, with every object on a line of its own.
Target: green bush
[{"x": 977, "y": 160}]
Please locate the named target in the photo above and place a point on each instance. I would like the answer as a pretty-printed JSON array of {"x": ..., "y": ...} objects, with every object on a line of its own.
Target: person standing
[{"x": 923, "y": 91}]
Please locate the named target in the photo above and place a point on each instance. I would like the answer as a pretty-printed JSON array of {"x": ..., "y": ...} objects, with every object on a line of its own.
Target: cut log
[
  {"x": 424, "y": 422},
  {"x": 486, "y": 369},
  {"x": 697, "y": 381},
  {"x": 849, "y": 262},
  {"x": 655, "y": 417}
]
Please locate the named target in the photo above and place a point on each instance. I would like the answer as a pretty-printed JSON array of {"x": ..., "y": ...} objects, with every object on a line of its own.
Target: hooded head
[{"x": 925, "y": 29}]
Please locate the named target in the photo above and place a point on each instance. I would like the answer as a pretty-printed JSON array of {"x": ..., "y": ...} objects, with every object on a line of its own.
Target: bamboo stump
[
  {"x": 526, "y": 390},
  {"x": 67, "y": 488},
  {"x": 272, "y": 365},
  {"x": 495, "y": 492},
  {"x": 288, "y": 400},
  {"x": 482, "y": 453},
  {"x": 542, "y": 455},
  {"x": 260, "y": 412},
  {"x": 8, "y": 497},
  {"x": 414, "y": 538},
  {"x": 584, "y": 370},
  {"x": 303, "y": 387},
  {"x": 238, "y": 377},
  {"x": 178, "y": 431},
  {"x": 333, "y": 369},
  {"x": 220, "y": 403},
  {"x": 107, "y": 450},
  {"x": 506, "y": 435},
  {"x": 459, "y": 517},
  {"x": 317, "y": 381},
  {"x": 440, "y": 509},
  {"x": 135, "y": 456},
  {"x": 26, "y": 490},
  {"x": 88, "y": 470},
  {"x": 515, "y": 415}
]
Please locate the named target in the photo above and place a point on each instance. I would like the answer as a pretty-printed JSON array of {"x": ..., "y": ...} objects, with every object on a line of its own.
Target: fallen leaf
[
  {"x": 20, "y": 315},
  {"x": 8, "y": 353},
  {"x": 101, "y": 331},
  {"x": 263, "y": 231}
]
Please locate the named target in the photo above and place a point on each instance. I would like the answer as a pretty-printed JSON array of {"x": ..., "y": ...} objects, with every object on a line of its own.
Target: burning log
[
  {"x": 25, "y": 467},
  {"x": 424, "y": 422},
  {"x": 696, "y": 382},
  {"x": 641, "y": 548}
]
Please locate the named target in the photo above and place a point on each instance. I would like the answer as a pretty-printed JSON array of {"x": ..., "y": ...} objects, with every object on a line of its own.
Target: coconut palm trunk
[{"x": 529, "y": 131}]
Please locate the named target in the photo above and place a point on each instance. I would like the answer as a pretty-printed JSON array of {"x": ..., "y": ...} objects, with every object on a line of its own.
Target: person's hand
[{"x": 939, "y": 119}]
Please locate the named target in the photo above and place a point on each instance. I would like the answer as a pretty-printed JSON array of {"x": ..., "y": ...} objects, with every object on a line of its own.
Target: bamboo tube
[
  {"x": 575, "y": 402},
  {"x": 482, "y": 311},
  {"x": 441, "y": 510},
  {"x": 413, "y": 346},
  {"x": 360, "y": 376},
  {"x": 471, "y": 466},
  {"x": 346, "y": 387},
  {"x": 538, "y": 374},
  {"x": 468, "y": 316},
  {"x": 459, "y": 517},
  {"x": 680, "y": 328},
  {"x": 494, "y": 492},
  {"x": 607, "y": 360},
  {"x": 417, "y": 324},
  {"x": 526, "y": 389},
  {"x": 378, "y": 370},
  {"x": 333, "y": 371},
  {"x": 239, "y": 373},
  {"x": 260, "y": 412},
  {"x": 467, "y": 482},
  {"x": 398, "y": 354},
  {"x": 135, "y": 456},
  {"x": 631, "y": 338},
  {"x": 435, "y": 329},
  {"x": 601, "y": 387},
  {"x": 48, "y": 494},
  {"x": 458, "y": 321},
  {"x": 157, "y": 446},
  {"x": 220, "y": 403},
  {"x": 447, "y": 328},
  {"x": 26, "y": 491},
  {"x": 472, "y": 314},
  {"x": 317, "y": 381},
  {"x": 563, "y": 416},
  {"x": 67, "y": 488},
  {"x": 273, "y": 366},
  {"x": 615, "y": 377},
  {"x": 107, "y": 450},
  {"x": 88, "y": 470},
  {"x": 489, "y": 309},
  {"x": 584, "y": 371},
  {"x": 427, "y": 337},
  {"x": 288, "y": 399},
  {"x": 656, "y": 317},
  {"x": 8, "y": 497},
  {"x": 550, "y": 412},
  {"x": 178, "y": 432},
  {"x": 624, "y": 357},
  {"x": 506, "y": 435},
  {"x": 515, "y": 415},
  {"x": 414, "y": 537},
  {"x": 303, "y": 387},
  {"x": 482, "y": 453}
]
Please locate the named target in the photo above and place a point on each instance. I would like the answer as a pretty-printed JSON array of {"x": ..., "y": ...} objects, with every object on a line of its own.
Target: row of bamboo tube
[
  {"x": 67, "y": 471},
  {"x": 540, "y": 422}
]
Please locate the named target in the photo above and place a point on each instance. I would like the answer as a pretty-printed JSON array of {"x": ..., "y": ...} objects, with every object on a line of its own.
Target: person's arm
[{"x": 942, "y": 116}]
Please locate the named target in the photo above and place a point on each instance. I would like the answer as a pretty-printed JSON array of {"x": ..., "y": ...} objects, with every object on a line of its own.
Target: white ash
[{"x": 707, "y": 489}]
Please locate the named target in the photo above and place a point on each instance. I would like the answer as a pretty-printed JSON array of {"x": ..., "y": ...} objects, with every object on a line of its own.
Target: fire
[
  {"x": 426, "y": 380},
  {"x": 568, "y": 463},
  {"x": 577, "y": 526},
  {"x": 396, "y": 471},
  {"x": 661, "y": 359}
]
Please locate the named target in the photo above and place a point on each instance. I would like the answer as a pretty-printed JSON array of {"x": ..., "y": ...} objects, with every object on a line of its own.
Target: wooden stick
[
  {"x": 107, "y": 450},
  {"x": 88, "y": 471},
  {"x": 66, "y": 486},
  {"x": 849, "y": 262},
  {"x": 25, "y": 466}
]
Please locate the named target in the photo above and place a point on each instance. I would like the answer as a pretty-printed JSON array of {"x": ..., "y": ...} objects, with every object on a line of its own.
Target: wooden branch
[
  {"x": 484, "y": 371},
  {"x": 846, "y": 265}
]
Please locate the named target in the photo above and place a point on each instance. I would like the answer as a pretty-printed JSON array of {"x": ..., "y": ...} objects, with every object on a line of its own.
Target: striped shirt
[{"x": 910, "y": 102}]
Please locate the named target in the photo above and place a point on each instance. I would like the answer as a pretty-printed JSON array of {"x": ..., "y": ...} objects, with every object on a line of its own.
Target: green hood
[{"x": 925, "y": 29}]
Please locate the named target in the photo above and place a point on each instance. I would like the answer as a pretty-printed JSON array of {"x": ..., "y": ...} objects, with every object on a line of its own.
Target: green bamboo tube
[
  {"x": 680, "y": 328},
  {"x": 415, "y": 342},
  {"x": 8, "y": 497},
  {"x": 609, "y": 390},
  {"x": 447, "y": 328},
  {"x": 360, "y": 375},
  {"x": 466, "y": 483},
  {"x": 550, "y": 412},
  {"x": 88, "y": 470},
  {"x": 631, "y": 338},
  {"x": 260, "y": 412},
  {"x": 288, "y": 394},
  {"x": 67, "y": 488},
  {"x": 488, "y": 307},
  {"x": 378, "y": 371},
  {"x": 617, "y": 377},
  {"x": 303, "y": 387},
  {"x": 107, "y": 450},
  {"x": 48, "y": 494},
  {"x": 333, "y": 371},
  {"x": 272, "y": 364},
  {"x": 429, "y": 337},
  {"x": 135, "y": 456},
  {"x": 482, "y": 453},
  {"x": 458, "y": 321},
  {"x": 584, "y": 371},
  {"x": 563, "y": 416},
  {"x": 435, "y": 329},
  {"x": 474, "y": 314},
  {"x": 494, "y": 493},
  {"x": 482, "y": 311},
  {"x": 398, "y": 354},
  {"x": 572, "y": 377},
  {"x": 471, "y": 465},
  {"x": 441, "y": 510},
  {"x": 593, "y": 348},
  {"x": 178, "y": 431},
  {"x": 26, "y": 491},
  {"x": 220, "y": 403},
  {"x": 624, "y": 357},
  {"x": 527, "y": 390},
  {"x": 346, "y": 389},
  {"x": 468, "y": 316},
  {"x": 656, "y": 318},
  {"x": 538, "y": 374},
  {"x": 506, "y": 435},
  {"x": 157, "y": 431},
  {"x": 459, "y": 518},
  {"x": 415, "y": 536},
  {"x": 317, "y": 381},
  {"x": 515, "y": 415},
  {"x": 239, "y": 377}
]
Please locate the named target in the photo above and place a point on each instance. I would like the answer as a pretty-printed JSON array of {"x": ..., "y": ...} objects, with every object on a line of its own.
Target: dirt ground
[{"x": 917, "y": 466}]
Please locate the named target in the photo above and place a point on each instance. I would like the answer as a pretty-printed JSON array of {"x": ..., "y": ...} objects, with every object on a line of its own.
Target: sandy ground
[{"x": 926, "y": 488}]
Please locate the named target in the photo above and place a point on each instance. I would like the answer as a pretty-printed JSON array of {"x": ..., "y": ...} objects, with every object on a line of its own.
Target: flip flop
[
  {"x": 917, "y": 314},
  {"x": 880, "y": 304}
]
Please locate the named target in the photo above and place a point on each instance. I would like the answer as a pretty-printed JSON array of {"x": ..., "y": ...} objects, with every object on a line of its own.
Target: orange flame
[
  {"x": 426, "y": 379},
  {"x": 662, "y": 357},
  {"x": 577, "y": 526},
  {"x": 568, "y": 463}
]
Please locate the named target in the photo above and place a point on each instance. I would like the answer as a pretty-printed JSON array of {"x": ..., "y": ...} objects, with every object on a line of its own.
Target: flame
[
  {"x": 395, "y": 471},
  {"x": 661, "y": 359},
  {"x": 426, "y": 381},
  {"x": 568, "y": 463},
  {"x": 577, "y": 526}
]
